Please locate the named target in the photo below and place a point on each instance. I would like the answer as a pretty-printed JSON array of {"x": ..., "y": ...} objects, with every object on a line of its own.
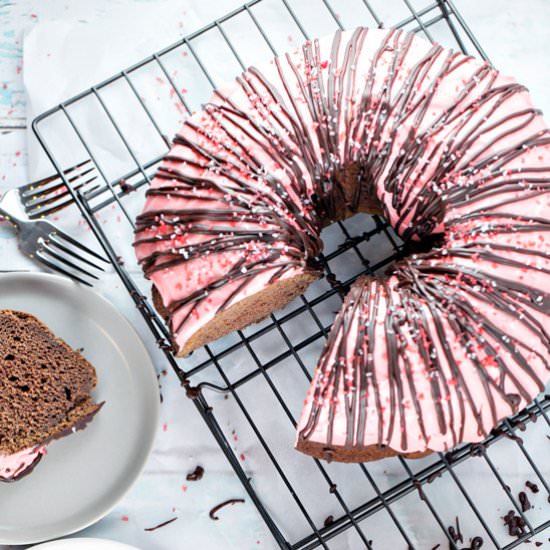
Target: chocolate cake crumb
[
  {"x": 476, "y": 543},
  {"x": 520, "y": 425},
  {"x": 432, "y": 477},
  {"x": 218, "y": 507},
  {"x": 328, "y": 454},
  {"x": 329, "y": 521},
  {"x": 196, "y": 475},
  {"x": 533, "y": 486},
  {"x": 524, "y": 501},
  {"x": 332, "y": 488},
  {"x": 515, "y": 524},
  {"x": 192, "y": 392},
  {"x": 455, "y": 533},
  {"x": 126, "y": 187},
  {"x": 163, "y": 524}
]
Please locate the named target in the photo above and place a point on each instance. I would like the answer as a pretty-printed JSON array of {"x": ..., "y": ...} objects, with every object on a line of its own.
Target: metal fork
[
  {"x": 44, "y": 242},
  {"x": 41, "y": 199}
]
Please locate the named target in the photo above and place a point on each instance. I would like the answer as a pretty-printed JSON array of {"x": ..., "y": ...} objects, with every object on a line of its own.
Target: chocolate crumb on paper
[
  {"x": 533, "y": 486},
  {"x": 329, "y": 521},
  {"x": 218, "y": 507},
  {"x": 524, "y": 501},
  {"x": 126, "y": 187},
  {"x": 196, "y": 474},
  {"x": 515, "y": 524}
]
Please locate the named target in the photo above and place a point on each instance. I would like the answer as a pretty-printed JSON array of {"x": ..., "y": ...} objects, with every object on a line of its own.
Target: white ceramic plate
[
  {"x": 83, "y": 544},
  {"x": 85, "y": 474}
]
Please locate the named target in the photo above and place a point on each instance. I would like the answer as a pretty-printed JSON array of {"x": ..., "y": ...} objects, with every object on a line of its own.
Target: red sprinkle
[{"x": 124, "y": 518}]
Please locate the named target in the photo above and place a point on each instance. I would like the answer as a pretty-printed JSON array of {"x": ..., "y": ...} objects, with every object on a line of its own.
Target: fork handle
[
  {"x": 10, "y": 218},
  {"x": 7, "y": 206}
]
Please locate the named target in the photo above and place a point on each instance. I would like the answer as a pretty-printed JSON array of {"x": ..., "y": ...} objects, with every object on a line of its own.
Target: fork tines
[
  {"x": 64, "y": 254},
  {"x": 41, "y": 199}
]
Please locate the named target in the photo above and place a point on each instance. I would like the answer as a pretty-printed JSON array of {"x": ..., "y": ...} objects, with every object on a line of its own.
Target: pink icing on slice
[{"x": 14, "y": 465}]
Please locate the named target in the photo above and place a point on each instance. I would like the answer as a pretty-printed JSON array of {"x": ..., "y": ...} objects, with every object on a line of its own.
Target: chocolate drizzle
[
  {"x": 160, "y": 525},
  {"x": 218, "y": 507},
  {"x": 456, "y": 334}
]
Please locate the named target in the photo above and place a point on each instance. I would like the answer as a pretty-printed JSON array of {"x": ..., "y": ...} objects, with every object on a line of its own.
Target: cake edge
[
  {"x": 244, "y": 313},
  {"x": 367, "y": 453}
]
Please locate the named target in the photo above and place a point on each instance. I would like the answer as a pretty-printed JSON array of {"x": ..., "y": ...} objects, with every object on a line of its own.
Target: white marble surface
[{"x": 516, "y": 38}]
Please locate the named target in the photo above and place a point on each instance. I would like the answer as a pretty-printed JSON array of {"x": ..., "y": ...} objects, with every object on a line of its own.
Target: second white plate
[{"x": 83, "y": 544}]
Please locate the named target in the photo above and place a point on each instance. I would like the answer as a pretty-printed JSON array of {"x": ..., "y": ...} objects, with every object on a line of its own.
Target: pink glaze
[
  {"x": 495, "y": 117},
  {"x": 15, "y": 464}
]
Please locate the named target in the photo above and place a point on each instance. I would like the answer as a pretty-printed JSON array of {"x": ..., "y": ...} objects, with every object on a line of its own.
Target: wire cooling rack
[{"x": 134, "y": 119}]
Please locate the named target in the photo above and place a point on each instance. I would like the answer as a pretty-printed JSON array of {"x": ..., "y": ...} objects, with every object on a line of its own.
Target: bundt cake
[{"x": 452, "y": 153}]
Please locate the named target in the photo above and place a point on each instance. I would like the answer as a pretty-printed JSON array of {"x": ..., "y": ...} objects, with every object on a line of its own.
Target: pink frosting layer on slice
[{"x": 14, "y": 465}]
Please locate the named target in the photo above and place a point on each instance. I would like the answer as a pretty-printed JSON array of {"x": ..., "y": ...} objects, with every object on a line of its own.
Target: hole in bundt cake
[{"x": 425, "y": 245}]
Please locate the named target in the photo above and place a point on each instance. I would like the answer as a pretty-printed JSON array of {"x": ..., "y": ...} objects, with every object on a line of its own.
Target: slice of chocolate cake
[{"x": 45, "y": 390}]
